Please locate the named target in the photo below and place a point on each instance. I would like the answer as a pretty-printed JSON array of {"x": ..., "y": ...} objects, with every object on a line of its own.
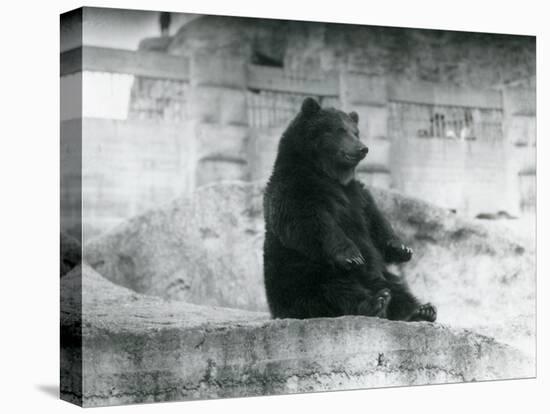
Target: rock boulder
[{"x": 207, "y": 249}]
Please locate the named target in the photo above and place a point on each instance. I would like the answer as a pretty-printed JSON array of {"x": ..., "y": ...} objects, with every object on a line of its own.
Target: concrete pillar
[
  {"x": 367, "y": 95},
  {"x": 218, "y": 106},
  {"x": 519, "y": 107}
]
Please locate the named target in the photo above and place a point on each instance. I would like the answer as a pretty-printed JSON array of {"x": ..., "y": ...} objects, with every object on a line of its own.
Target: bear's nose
[{"x": 364, "y": 151}]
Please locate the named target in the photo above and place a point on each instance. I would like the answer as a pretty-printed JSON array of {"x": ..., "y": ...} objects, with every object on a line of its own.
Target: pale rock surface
[{"x": 207, "y": 249}]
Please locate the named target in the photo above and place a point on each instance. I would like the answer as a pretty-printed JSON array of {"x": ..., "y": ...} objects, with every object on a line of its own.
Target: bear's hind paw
[
  {"x": 377, "y": 306},
  {"x": 426, "y": 312}
]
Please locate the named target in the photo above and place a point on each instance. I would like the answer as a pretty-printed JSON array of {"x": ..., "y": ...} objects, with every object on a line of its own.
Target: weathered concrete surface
[
  {"x": 208, "y": 250},
  {"x": 479, "y": 60},
  {"x": 143, "y": 349}
]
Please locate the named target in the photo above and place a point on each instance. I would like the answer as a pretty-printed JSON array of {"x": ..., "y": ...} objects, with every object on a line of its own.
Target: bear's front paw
[
  {"x": 349, "y": 258},
  {"x": 397, "y": 252}
]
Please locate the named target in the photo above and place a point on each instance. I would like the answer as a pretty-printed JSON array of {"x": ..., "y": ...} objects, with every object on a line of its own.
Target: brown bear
[{"x": 327, "y": 244}]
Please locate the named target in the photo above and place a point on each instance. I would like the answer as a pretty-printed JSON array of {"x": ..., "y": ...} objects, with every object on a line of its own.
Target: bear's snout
[
  {"x": 355, "y": 153},
  {"x": 362, "y": 151}
]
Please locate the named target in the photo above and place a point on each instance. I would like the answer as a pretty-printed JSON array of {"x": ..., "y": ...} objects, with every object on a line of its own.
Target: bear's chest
[{"x": 348, "y": 210}]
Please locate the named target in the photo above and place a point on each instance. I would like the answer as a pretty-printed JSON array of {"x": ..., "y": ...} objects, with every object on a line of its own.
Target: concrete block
[
  {"x": 262, "y": 151},
  {"x": 216, "y": 104},
  {"x": 519, "y": 101},
  {"x": 136, "y": 348},
  {"x": 471, "y": 177},
  {"x": 233, "y": 107},
  {"x": 528, "y": 190},
  {"x": 221, "y": 140},
  {"x": 131, "y": 166},
  {"x": 520, "y": 130},
  {"x": 218, "y": 71},
  {"x": 361, "y": 89},
  {"x": 379, "y": 152},
  {"x": 373, "y": 121}
]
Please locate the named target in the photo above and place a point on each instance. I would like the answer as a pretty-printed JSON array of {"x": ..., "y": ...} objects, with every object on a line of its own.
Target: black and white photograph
[
  {"x": 274, "y": 207},
  {"x": 255, "y": 206}
]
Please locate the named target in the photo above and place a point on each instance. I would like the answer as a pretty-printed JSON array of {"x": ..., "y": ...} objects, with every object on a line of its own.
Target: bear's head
[{"x": 326, "y": 138}]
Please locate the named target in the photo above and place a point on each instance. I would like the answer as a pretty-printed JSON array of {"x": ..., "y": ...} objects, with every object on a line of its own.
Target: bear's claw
[
  {"x": 349, "y": 258},
  {"x": 358, "y": 260},
  {"x": 397, "y": 252}
]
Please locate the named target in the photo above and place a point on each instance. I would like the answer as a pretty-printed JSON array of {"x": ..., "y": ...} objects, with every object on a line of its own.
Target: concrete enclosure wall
[
  {"x": 131, "y": 166},
  {"x": 471, "y": 177},
  {"x": 207, "y": 118}
]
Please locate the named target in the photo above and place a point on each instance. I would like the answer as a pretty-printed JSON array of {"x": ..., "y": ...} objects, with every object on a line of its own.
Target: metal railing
[
  {"x": 274, "y": 95},
  {"x": 421, "y": 120}
]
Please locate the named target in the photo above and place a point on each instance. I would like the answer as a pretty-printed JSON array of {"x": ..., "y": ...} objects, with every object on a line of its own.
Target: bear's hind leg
[
  {"x": 349, "y": 297},
  {"x": 312, "y": 306},
  {"x": 404, "y": 305},
  {"x": 338, "y": 297}
]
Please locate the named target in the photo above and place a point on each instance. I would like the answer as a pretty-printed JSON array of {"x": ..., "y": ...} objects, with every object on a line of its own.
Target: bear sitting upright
[{"x": 326, "y": 243}]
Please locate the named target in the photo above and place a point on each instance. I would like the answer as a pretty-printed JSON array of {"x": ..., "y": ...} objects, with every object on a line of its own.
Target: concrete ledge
[
  {"x": 142, "y": 349},
  {"x": 151, "y": 64},
  {"x": 212, "y": 70}
]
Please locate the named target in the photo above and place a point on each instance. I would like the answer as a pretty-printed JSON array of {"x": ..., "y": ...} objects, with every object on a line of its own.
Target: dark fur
[{"x": 327, "y": 243}]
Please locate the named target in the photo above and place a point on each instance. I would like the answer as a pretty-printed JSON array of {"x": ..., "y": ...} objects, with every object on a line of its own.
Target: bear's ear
[
  {"x": 310, "y": 106},
  {"x": 354, "y": 117}
]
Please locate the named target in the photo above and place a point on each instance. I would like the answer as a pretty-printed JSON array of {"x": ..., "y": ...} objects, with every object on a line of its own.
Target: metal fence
[
  {"x": 160, "y": 99},
  {"x": 274, "y": 95},
  {"x": 273, "y": 108},
  {"x": 421, "y": 120},
  {"x": 161, "y": 83}
]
